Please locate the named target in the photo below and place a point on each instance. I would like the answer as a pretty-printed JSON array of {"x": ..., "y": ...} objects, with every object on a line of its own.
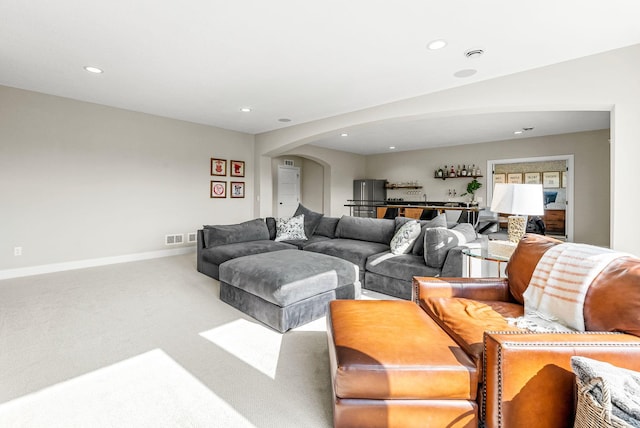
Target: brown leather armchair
[{"x": 525, "y": 377}]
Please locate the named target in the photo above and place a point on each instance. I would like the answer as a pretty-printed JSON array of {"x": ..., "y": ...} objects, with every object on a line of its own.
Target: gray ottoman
[{"x": 288, "y": 288}]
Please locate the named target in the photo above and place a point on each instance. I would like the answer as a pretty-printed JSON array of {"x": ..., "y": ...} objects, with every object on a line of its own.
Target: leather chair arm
[
  {"x": 528, "y": 376},
  {"x": 496, "y": 289}
]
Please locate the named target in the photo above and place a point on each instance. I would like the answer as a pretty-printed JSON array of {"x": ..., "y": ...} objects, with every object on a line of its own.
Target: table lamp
[{"x": 520, "y": 200}]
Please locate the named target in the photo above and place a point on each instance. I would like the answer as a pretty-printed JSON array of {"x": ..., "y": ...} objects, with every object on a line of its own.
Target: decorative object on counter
[
  {"x": 472, "y": 186},
  {"x": 520, "y": 200}
]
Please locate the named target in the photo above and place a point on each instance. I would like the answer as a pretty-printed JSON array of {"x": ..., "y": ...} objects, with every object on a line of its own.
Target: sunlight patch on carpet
[
  {"x": 148, "y": 390},
  {"x": 242, "y": 338}
]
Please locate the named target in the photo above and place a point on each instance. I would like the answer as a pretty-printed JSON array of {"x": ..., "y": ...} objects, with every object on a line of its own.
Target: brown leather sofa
[{"x": 522, "y": 378}]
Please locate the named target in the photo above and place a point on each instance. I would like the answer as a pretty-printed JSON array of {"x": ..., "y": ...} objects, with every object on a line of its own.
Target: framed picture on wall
[
  {"x": 237, "y": 189},
  {"x": 218, "y": 166},
  {"x": 551, "y": 179},
  {"x": 563, "y": 180},
  {"x": 531, "y": 178},
  {"x": 237, "y": 168},
  {"x": 218, "y": 189},
  {"x": 514, "y": 178},
  {"x": 499, "y": 178}
]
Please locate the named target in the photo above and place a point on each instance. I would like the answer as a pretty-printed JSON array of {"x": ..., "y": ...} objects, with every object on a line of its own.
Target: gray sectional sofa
[{"x": 364, "y": 242}]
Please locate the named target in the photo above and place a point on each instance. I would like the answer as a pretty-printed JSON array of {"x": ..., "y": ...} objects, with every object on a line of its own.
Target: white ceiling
[{"x": 202, "y": 60}]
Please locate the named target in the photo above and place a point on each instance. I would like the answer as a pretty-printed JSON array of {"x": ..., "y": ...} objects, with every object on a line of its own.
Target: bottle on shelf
[
  {"x": 464, "y": 170},
  {"x": 441, "y": 172},
  {"x": 458, "y": 171},
  {"x": 478, "y": 172},
  {"x": 473, "y": 170},
  {"x": 452, "y": 173}
]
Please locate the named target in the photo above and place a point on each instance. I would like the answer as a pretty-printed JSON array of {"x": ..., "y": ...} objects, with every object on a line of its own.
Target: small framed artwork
[
  {"x": 514, "y": 178},
  {"x": 531, "y": 178},
  {"x": 237, "y": 168},
  {"x": 218, "y": 189},
  {"x": 563, "y": 182},
  {"x": 551, "y": 179},
  {"x": 237, "y": 189},
  {"x": 499, "y": 178},
  {"x": 218, "y": 166}
]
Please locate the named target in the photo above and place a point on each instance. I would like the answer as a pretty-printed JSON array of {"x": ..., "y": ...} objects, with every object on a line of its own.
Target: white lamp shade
[{"x": 520, "y": 199}]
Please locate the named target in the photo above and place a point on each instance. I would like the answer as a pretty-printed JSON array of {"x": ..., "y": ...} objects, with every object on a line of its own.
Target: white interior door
[{"x": 288, "y": 190}]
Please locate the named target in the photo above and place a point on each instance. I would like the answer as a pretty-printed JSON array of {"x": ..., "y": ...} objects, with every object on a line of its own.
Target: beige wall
[
  {"x": 606, "y": 81},
  {"x": 591, "y": 157},
  {"x": 311, "y": 181},
  {"x": 82, "y": 181},
  {"x": 339, "y": 171}
]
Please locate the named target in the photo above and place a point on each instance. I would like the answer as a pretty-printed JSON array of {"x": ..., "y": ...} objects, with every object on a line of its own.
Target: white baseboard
[{"x": 81, "y": 264}]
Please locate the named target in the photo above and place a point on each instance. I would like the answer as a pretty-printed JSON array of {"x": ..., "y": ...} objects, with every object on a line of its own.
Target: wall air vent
[
  {"x": 474, "y": 53},
  {"x": 173, "y": 239}
]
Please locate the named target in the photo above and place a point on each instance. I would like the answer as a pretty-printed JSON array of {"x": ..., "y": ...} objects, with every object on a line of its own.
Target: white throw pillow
[
  {"x": 290, "y": 229},
  {"x": 405, "y": 236}
]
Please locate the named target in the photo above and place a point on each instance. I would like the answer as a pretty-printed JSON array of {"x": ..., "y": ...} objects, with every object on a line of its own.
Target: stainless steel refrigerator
[{"x": 366, "y": 195}]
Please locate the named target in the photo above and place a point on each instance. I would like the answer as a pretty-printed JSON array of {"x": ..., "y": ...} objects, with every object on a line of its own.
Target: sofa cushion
[
  {"x": 438, "y": 241},
  {"x": 290, "y": 229},
  {"x": 466, "y": 320},
  {"x": 403, "y": 266},
  {"x": 252, "y": 230},
  {"x": 327, "y": 226},
  {"x": 403, "y": 240},
  {"x": 378, "y": 230},
  {"x": 438, "y": 221},
  {"x": 222, "y": 253},
  {"x": 311, "y": 219},
  {"x": 301, "y": 243},
  {"x": 349, "y": 249}
]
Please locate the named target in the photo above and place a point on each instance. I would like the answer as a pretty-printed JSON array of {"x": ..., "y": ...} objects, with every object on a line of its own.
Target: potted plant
[{"x": 472, "y": 186}]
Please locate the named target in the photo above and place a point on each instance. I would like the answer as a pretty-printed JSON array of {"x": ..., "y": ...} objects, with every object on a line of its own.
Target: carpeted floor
[{"x": 149, "y": 344}]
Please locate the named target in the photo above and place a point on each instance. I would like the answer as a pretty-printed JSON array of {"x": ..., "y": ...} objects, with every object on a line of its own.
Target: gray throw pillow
[
  {"x": 438, "y": 241},
  {"x": 438, "y": 221},
  {"x": 327, "y": 226},
  {"x": 252, "y": 230},
  {"x": 311, "y": 219},
  {"x": 271, "y": 225}
]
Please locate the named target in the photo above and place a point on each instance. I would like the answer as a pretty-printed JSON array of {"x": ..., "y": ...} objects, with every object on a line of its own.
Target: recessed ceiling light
[
  {"x": 436, "y": 44},
  {"x": 344, "y": 134},
  {"x": 529, "y": 128},
  {"x": 284, "y": 119},
  {"x": 517, "y": 132},
  {"x": 94, "y": 70},
  {"x": 465, "y": 73},
  {"x": 245, "y": 109},
  {"x": 392, "y": 147}
]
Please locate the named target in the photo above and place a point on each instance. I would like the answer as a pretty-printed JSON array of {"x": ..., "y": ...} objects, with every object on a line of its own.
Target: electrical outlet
[{"x": 17, "y": 251}]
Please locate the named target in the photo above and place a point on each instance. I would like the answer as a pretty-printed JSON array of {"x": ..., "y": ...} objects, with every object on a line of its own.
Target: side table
[{"x": 484, "y": 255}]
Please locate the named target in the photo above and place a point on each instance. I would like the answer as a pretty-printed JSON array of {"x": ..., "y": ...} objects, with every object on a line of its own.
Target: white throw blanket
[{"x": 559, "y": 285}]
